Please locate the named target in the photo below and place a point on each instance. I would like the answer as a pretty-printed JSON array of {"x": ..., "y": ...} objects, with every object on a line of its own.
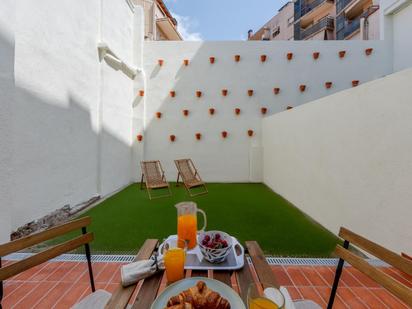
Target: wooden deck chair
[
  {"x": 153, "y": 177},
  {"x": 190, "y": 177}
]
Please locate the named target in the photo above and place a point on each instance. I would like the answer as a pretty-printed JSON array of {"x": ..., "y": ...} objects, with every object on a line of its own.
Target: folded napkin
[
  {"x": 133, "y": 272},
  {"x": 274, "y": 296}
]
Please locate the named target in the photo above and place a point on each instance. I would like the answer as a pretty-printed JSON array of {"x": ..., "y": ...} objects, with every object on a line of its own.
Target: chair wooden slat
[
  {"x": 398, "y": 289},
  {"x": 244, "y": 279},
  {"x": 37, "y": 238},
  {"x": 121, "y": 295},
  {"x": 148, "y": 292},
  {"x": 378, "y": 251},
  {"x": 15, "y": 268},
  {"x": 262, "y": 268}
]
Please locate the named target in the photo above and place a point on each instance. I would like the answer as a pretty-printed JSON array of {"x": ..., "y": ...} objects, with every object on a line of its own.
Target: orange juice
[
  {"x": 187, "y": 230},
  {"x": 262, "y": 303},
  {"x": 174, "y": 261}
]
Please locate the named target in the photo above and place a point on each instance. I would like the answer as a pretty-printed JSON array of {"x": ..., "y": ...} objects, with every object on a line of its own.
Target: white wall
[
  {"x": 346, "y": 159},
  {"x": 402, "y": 39},
  {"x": 231, "y": 159}
]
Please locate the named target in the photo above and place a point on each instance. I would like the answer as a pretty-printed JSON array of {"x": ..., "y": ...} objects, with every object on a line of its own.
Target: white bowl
[{"x": 215, "y": 255}]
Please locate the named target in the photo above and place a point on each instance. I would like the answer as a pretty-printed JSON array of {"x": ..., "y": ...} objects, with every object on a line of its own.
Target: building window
[
  {"x": 290, "y": 21},
  {"x": 275, "y": 32}
]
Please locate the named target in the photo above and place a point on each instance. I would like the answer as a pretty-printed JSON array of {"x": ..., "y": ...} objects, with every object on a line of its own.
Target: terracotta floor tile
[
  {"x": 46, "y": 271},
  {"x": 40, "y": 290},
  {"x": 60, "y": 272},
  {"x": 365, "y": 280},
  {"x": 75, "y": 272},
  {"x": 49, "y": 299},
  {"x": 313, "y": 276},
  {"x": 309, "y": 292},
  {"x": 18, "y": 294},
  {"x": 351, "y": 299},
  {"x": 390, "y": 300},
  {"x": 97, "y": 269},
  {"x": 297, "y": 277},
  {"x": 116, "y": 278},
  {"x": 294, "y": 293},
  {"x": 327, "y": 274},
  {"x": 72, "y": 296},
  {"x": 368, "y": 297},
  {"x": 10, "y": 286},
  {"x": 349, "y": 279},
  {"x": 107, "y": 273},
  {"x": 325, "y": 294},
  {"x": 281, "y": 275},
  {"x": 25, "y": 275}
]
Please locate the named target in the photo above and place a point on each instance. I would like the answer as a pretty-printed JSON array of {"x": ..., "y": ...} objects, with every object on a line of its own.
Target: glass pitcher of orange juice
[{"x": 187, "y": 223}]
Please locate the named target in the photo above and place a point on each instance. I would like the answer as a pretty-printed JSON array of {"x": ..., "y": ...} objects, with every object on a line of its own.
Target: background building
[
  {"x": 159, "y": 23},
  {"x": 280, "y": 27}
]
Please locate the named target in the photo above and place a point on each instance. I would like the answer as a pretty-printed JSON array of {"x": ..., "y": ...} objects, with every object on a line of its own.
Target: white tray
[{"x": 195, "y": 260}]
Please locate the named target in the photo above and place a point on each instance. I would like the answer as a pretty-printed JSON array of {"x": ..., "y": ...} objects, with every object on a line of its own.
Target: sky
[{"x": 215, "y": 20}]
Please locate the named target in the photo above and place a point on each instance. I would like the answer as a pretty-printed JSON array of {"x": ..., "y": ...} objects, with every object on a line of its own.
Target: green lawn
[{"x": 246, "y": 211}]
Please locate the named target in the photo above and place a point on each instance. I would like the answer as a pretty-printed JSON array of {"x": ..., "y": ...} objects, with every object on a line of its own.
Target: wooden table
[{"x": 239, "y": 280}]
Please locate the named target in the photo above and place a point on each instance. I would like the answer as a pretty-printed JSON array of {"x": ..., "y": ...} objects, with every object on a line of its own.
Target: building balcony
[
  {"x": 326, "y": 23},
  {"x": 309, "y": 11},
  {"x": 348, "y": 29}
]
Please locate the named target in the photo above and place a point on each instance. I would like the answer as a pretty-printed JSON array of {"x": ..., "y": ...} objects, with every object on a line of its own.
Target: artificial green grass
[{"x": 247, "y": 211}]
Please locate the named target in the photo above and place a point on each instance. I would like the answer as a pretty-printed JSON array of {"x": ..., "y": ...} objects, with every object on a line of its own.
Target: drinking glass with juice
[
  {"x": 187, "y": 224},
  {"x": 174, "y": 261}
]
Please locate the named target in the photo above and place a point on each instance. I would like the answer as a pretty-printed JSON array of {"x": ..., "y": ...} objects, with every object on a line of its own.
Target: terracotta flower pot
[
  {"x": 237, "y": 111},
  {"x": 263, "y": 58},
  {"x": 159, "y": 115},
  {"x": 250, "y": 133},
  {"x": 172, "y": 93},
  {"x": 198, "y": 136},
  {"x": 198, "y": 93},
  {"x": 211, "y": 111},
  {"x": 355, "y": 83},
  {"x": 140, "y": 137},
  {"x": 368, "y": 51},
  {"x": 224, "y": 92},
  {"x": 185, "y": 112},
  {"x": 224, "y": 134},
  {"x": 141, "y": 93},
  {"x": 212, "y": 60},
  {"x": 328, "y": 85},
  {"x": 250, "y": 92},
  {"x": 160, "y": 62},
  {"x": 289, "y": 107},
  {"x": 276, "y": 90},
  {"x": 342, "y": 53},
  {"x": 186, "y": 62},
  {"x": 263, "y": 110},
  {"x": 172, "y": 138},
  {"x": 316, "y": 55},
  {"x": 302, "y": 88},
  {"x": 237, "y": 58},
  {"x": 289, "y": 56}
]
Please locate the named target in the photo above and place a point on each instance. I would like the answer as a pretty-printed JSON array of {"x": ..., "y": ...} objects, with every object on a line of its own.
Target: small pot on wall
[
  {"x": 355, "y": 83},
  {"x": 316, "y": 55},
  {"x": 185, "y": 112},
  {"x": 224, "y": 92},
  {"x": 263, "y": 110},
  {"x": 328, "y": 85},
  {"x": 211, "y": 111},
  {"x": 172, "y": 138},
  {"x": 289, "y": 107},
  {"x": 186, "y": 62},
  {"x": 250, "y": 133},
  {"x": 141, "y": 93},
  {"x": 212, "y": 60},
  {"x": 237, "y": 58},
  {"x": 158, "y": 115},
  {"x": 368, "y": 51},
  {"x": 250, "y": 92},
  {"x": 237, "y": 111},
  {"x": 160, "y": 62},
  {"x": 263, "y": 58},
  {"x": 302, "y": 88},
  {"x": 172, "y": 93},
  {"x": 139, "y": 137},
  {"x": 198, "y": 136},
  {"x": 276, "y": 90},
  {"x": 224, "y": 134},
  {"x": 342, "y": 53},
  {"x": 198, "y": 93},
  {"x": 289, "y": 56}
]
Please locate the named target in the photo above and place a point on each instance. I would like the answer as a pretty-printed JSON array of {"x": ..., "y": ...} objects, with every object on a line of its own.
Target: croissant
[{"x": 198, "y": 297}]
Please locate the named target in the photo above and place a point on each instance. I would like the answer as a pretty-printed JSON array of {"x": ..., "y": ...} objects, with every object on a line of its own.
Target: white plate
[{"x": 175, "y": 289}]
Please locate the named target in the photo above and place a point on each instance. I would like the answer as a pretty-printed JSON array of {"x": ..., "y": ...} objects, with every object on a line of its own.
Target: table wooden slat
[
  {"x": 148, "y": 292},
  {"x": 262, "y": 268},
  {"x": 223, "y": 276},
  {"x": 244, "y": 279},
  {"x": 121, "y": 296},
  {"x": 199, "y": 273}
]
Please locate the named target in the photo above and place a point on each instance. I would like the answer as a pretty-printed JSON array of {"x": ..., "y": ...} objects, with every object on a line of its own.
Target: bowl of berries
[{"x": 215, "y": 246}]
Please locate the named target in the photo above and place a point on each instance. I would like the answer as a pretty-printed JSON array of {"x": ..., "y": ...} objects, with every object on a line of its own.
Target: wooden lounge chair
[
  {"x": 153, "y": 177},
  {"x": 190, "y": 177}
]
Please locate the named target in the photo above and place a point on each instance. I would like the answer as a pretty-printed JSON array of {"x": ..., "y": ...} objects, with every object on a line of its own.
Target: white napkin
[
  {"x": 274, "y": 296},
  {"x": 133, "y": 272}
]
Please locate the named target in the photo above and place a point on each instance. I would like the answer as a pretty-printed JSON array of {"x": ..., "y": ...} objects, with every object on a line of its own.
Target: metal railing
[
  {"x": 308, "y": 7},
  {"x": 352, "y": 26},
  {"x": 326, "y": 22}
]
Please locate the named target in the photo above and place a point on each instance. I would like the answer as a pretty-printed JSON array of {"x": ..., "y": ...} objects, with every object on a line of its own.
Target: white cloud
[{"x": 185, "y": 25}]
